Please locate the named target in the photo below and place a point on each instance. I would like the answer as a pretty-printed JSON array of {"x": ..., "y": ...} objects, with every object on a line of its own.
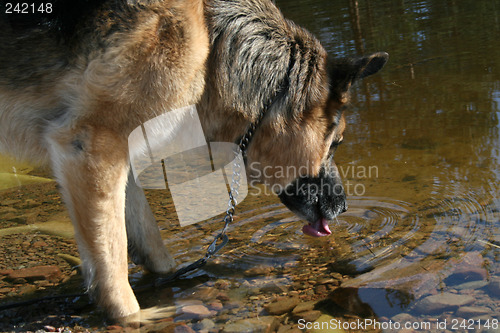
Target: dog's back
[{"x": 53, "y": 65}]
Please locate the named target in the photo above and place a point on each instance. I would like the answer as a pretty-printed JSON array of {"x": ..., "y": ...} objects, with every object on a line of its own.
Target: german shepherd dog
[{"x": 77, "y": 78}]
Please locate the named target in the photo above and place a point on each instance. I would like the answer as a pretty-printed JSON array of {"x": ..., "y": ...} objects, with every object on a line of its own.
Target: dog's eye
[
  {"x": 334, "y": 145},
  {"x": 337, "y": 143}
]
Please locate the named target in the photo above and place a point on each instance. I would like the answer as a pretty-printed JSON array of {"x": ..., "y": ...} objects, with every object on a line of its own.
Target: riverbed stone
[
  {"x": 403, "y": 318},
  {"x": 259, "y": 270},
  {"x": 223, "y": 297},
  {"x": 109, "y": 328},
  {"x": 466, "y": 274},
  {"x": 222, "y": 284},
  {"x": 195, "y": 311},
  {"x": 27, "y": 289},
  {"x": 5, "y": 290},
  {"x": 320, "y": 289},
  {"x": 215, "y": 305},
  {"x": 443, "y": 302},
  {"x": 473, "y": 311},
  {"x": 265, "y": 324},
  {"x": 50, "y": 273},
  {"x": 206, "y": 294},
  {"x": 287, "y": 329},
  {"x": 309, "y": 316},
  {"x": 204, "y": 325},
  {"x": 304, "y": 306},
  {"x": 39, "y": 243},
  {"x": 239, "y": 293},
  {"x": 233, "y": 305},
  {"x": 183, "y": 329},
  {"x": 273, "y": 288},
  {"x": 468, "y": 268},
  {"x": 282, "y": 305},
  {"x": 473, "y": 285},
  {"x": 322, "y": 325},
  {"x": 292, "y": 330}
]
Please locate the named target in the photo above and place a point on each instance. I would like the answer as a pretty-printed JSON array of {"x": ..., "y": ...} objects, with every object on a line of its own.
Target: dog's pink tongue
[{"x": 317, "y": 229}]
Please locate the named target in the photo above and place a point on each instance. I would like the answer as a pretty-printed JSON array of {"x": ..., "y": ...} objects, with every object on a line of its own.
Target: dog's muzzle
[{"x": 317, "y": 199}]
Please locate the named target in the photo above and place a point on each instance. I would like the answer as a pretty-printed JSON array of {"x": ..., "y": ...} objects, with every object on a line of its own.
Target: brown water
[{"x": 421, "y": 165}]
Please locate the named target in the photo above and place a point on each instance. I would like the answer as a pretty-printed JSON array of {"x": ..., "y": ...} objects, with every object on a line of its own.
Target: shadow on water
[{"x": 421, "y": 167}]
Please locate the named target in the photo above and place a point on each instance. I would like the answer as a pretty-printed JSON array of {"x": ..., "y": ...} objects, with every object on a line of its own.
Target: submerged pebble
[{"x": 443, "y": 302}]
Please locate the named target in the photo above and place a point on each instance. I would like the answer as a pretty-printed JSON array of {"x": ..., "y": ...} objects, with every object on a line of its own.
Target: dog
[{"x": 75, "y": 80}]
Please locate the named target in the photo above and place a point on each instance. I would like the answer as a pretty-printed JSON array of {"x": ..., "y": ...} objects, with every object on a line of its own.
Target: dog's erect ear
[
  {"x": 371, "y": 64},
  {"x": 343, "y": 72}
]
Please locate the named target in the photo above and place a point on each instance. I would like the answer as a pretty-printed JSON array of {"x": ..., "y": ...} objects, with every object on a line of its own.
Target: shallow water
[{"x": 421, "y": 166}]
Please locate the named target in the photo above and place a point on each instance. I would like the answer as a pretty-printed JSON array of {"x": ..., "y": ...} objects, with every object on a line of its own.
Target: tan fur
[{"x": 271, "y": 149}]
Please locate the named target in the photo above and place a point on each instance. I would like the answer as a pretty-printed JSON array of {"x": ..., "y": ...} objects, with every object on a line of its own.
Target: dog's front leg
[
  {"x": 144, "y": 241},
  {"x": 91, "y": 165}
]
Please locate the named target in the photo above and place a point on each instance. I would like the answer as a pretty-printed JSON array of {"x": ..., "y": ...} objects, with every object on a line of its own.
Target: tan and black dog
[{"x": 75, "y": 80}]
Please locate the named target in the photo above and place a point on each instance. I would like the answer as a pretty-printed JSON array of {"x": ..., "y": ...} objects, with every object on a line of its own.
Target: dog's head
[
  {"x": 260, "y": 62},
  {"x": 320, "y": 196},
  {"x": 316, "y": 192}
]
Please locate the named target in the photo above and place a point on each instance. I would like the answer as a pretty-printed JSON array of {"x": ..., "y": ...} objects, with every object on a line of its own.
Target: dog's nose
[
  {"x": 330, "y": 207},
  {"x": 341, "y": 205},
  {"x": 344, "y": 208}
]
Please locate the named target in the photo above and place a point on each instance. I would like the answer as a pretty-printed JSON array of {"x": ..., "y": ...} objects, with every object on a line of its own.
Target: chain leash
[{"x": 234, "y": 186}]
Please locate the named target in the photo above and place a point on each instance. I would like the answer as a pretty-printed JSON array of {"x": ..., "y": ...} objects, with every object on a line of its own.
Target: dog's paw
[{"x": 161, "y": 263}]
